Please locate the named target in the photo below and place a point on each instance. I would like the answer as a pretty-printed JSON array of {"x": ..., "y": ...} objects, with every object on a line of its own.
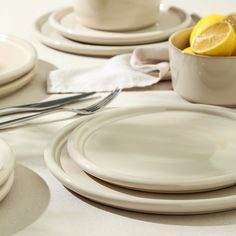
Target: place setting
[
  {"x": 168, "y": 158},
  {"x": 71, "y": 29}
]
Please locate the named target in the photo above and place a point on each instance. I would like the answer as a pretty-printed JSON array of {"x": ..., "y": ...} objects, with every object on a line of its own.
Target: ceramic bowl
[
  {"x": 117, "y": 15},
  {"x": 201, "y": 79}
]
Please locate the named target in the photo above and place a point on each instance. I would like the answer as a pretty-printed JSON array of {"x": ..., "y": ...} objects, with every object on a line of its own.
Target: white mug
[{"x": 117, "y": 15}]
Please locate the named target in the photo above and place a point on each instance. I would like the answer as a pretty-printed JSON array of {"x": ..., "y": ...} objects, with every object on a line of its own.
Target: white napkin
[{"x": 147, "y": 65}]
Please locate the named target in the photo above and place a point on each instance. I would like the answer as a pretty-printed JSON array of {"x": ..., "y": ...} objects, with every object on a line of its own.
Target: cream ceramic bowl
[
  {"x": 201, "y": 79},
  {"x": 117, "y": 15}
]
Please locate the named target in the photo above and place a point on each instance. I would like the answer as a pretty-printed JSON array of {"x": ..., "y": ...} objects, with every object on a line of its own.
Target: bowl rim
[{"x": 194, "y": 55}]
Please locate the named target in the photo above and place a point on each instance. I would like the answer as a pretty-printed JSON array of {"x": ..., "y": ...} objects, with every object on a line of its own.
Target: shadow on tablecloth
[
  {"x": 25, "y": 203},
  {"x": 35, "y": 91},
  {"x": 212, "y": 219}
]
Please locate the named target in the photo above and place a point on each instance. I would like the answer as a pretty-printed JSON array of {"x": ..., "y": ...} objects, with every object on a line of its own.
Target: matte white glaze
[
  {"x": 7, "y": 161},
  {"x": 159, "y": 149},
  {"x": 17, "y": 58},
  {"x": 170, "y": 20},
  {"x": 117, "y": 15},
  {"x": 74, "y": 178}
]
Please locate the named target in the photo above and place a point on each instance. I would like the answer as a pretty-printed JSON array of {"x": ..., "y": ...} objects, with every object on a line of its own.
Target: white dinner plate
[
  {"x": 7, "y": 161},
  {"x": 74, "y": 178},
  {"x": 17, "y": 84},
  {"x": 170, "y": 20},
  {"x": 6, "y": 187},
  {"x": 166, "y": 148},
  {"x": 17, "y": 58},
  {"x": 52, "y": 38}
]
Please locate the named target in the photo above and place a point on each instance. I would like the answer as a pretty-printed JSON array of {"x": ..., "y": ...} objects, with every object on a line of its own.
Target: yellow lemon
[
  {"x": 188, "y": 51},
  {"x": 231, "y": 18},
  {"x": 216, "y": 40},
  {"x": 204, "y": 23}
]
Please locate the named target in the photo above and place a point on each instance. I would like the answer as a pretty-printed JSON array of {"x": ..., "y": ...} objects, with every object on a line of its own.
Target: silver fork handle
[{"x": 11, "y": 122}]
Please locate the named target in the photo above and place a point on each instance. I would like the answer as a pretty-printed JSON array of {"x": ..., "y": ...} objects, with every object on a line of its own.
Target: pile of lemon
[{"x": 214, "y": 35}]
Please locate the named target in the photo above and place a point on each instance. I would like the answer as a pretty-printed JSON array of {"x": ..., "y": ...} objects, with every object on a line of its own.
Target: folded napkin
[{"x": 147, "y": 65}]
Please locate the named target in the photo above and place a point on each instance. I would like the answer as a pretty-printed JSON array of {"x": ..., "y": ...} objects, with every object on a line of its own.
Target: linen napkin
[{"x": 147, "y": 65}]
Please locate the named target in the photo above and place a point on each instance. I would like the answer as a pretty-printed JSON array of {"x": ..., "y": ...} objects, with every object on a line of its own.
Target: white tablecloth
[{"x": 38, "y": 204}]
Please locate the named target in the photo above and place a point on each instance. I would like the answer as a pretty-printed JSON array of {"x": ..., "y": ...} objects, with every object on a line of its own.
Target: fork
[
  {"x": 42, "y": 106},
  {"x": 82, "y": 111}
]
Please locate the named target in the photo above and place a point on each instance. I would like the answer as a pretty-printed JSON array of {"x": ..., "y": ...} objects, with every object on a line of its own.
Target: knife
[{"x": 34, "y": 107}]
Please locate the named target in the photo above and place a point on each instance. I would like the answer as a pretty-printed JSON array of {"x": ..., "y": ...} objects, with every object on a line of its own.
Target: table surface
[{"x": 38, "y": 204}]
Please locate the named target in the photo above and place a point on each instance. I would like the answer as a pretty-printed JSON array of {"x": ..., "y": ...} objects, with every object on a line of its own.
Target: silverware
[
  {"x": 43, "y": 105},
  {"x": 83, "y": 111}
]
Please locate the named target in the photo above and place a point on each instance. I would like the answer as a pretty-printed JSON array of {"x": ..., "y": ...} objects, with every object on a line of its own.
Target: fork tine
[
  {"x": 104, "y": 101},
  {"x": 107, "y": 100}
]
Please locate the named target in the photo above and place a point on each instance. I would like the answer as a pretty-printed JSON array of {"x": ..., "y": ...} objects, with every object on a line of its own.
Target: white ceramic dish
[
  {"x": 201, "y": 79},
  {"x": 17, "y": 58},
  {"x": 17, "y": 84},
  {"x": 72, "y": 176},
  {"x": 6, "y": 187},
  {"x": 166, "y": 148},
  {"x": 117, "y": 15},
  {"x": 52, "y": 38},
  {"x": 170, "y": 21},
  {"x": 7, "y": 161}
]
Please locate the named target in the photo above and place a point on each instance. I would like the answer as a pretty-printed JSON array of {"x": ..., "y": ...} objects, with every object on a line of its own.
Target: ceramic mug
[
  {"x": 201, "y": 79},
  {"x": 117, "y": 15}
]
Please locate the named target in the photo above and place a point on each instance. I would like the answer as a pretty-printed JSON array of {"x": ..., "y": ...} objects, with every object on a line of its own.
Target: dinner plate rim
[
  {"x": 9, "y": 166},
  {"x": 6, "y": 187},
  {"x": 52, "y": 157},
  {"x": 15, "y": 85},
  {"x": 72, "y": 47},
  {"x": 139, "y": 183}
]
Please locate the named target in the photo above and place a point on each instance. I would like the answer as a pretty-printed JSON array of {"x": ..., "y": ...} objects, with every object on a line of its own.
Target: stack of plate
[
  {"x": 7, "y": 163},
  {"x": 168, "y": 159},
  {"x": 18, "y": 64},
  {"x": 61, "y": 30}
]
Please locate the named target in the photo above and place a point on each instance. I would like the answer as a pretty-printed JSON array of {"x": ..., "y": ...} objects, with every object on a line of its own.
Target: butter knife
[{"x": 34, "y": 107}]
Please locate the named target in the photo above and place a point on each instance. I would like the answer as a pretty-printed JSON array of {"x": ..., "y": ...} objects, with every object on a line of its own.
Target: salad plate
[
  {"x": 170, "y": 20},
  {"x": 163, "y": 148},
  {"x": 17, "y": 58}
]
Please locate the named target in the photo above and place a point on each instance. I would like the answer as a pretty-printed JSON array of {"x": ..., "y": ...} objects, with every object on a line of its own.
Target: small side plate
[
  {"x": 170, "y": 20},
  {"x": 164, "y": 148},
  {"x": 52, "y": 38},
  {"x": 17, "y": 58}
]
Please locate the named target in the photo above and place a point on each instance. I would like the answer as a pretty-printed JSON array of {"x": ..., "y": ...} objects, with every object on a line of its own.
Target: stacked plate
[
  {"x": 61, "y": 30},
  {"x": 167, "y": 159},
  {"x": 18, "y": 64},
  {"x": 7, "y": 163}
]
